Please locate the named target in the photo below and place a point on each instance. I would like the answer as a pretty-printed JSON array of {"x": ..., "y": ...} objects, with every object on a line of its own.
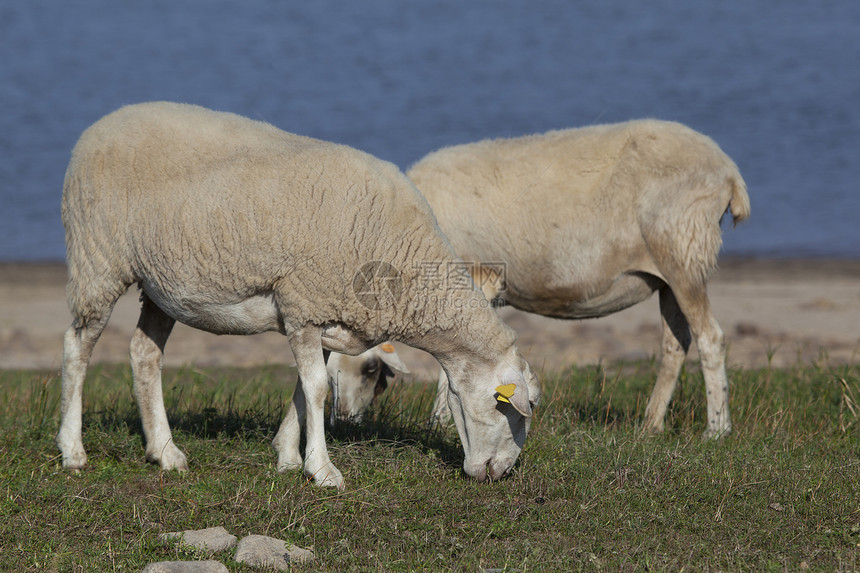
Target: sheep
[
  {"x": 232, "y": 226},
  {"x": 357, "y": 380},
  {"x": 593, "y": 220}
]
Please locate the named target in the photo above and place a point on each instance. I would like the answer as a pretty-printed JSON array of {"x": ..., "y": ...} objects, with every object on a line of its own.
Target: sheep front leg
[
  {"x": 307, "y": 349},
  {"x": 441, "y": 413},
  {"x": 287, "y": 440},
  {"x": 147, "y": 359}
]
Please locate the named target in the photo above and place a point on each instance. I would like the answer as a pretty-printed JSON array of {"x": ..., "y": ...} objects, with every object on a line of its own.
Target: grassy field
[{"x": 782, "y": 493}]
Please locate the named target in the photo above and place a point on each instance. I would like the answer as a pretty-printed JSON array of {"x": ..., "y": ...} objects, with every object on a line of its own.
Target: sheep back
[
  {"x": 204, "y": 204},
  {"x": 592, "y": 192}
]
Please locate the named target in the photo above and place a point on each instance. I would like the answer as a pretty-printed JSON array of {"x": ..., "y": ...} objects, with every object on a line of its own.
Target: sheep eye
[{"x": 371, "y": 366}]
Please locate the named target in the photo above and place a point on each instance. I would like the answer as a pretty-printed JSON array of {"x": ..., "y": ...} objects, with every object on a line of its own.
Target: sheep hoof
[
  {"x": 175, "y": 460},
  {"x": 653, "y": 427},
  {"x": 72, "y": 448},
  {"x": 289, "y": 462},
  {"x": 330, "y": 477},
  {"x": 717, "y": 434},
  {"x": 75, "y": 461},
  {"x": 288, "y": 467},
  {"x": 75, "y": 468},
  {"x": 168, "y": 457}
]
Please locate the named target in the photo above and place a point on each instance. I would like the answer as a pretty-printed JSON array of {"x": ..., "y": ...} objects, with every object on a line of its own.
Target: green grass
[{"x": 782, "y": 493}]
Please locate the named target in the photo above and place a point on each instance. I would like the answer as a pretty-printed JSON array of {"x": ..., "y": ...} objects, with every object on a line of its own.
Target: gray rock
[
  {"x": 259, "y": 550},
  {"x": 213, "y": 539},
  {"x": 186, "y": 567}
]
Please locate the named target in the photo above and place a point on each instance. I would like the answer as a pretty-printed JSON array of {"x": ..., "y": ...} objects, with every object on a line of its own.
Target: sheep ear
[
  {"x": 515, "y": 392},
  {"x": 388, "y": 354}
]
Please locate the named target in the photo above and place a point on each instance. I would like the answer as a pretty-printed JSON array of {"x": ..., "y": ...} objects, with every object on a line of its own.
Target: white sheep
[
  {"x": 590, "y": 221},
  {"x": 233, "y": 226},
  {"x": 357, "y": 380}
]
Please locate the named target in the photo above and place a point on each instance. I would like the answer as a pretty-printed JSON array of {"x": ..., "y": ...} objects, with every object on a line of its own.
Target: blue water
[{"x": 775, "y": 83}]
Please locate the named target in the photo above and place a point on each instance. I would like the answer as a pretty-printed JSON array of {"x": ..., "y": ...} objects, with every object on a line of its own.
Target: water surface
[{"x": 776, "y": 84}]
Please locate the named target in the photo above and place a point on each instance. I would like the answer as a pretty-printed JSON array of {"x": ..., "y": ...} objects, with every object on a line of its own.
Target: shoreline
[{"x": 774, "y": 311}]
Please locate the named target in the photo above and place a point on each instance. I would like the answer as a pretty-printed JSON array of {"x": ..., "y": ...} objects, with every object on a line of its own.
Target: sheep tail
[{"x": 739, "y": 203}]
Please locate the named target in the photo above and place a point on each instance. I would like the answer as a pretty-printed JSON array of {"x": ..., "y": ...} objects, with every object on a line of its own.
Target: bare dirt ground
[{"x": 784, "y": 311}]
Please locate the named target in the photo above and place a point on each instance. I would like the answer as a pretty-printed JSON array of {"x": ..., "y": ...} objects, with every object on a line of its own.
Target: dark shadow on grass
[
  {"x": 613, "y": 397},
  {"x": 682, "y": 415},
  {"x": 221, "y": 418},
  {"x": 396, "y": 433},
  {"x": 208, "y": 422}
]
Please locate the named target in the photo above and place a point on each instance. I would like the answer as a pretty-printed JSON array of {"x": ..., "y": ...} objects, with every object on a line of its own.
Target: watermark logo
[
  {"x": 453, "y": 275},
  {"x": 377, "y": 285}
]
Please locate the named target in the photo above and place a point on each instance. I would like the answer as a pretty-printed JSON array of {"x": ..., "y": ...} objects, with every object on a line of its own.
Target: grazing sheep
[
  {"x": 233, "y": 226},
  {"x": 357, "y": 380},
  {"x": 591, "y": 221}
]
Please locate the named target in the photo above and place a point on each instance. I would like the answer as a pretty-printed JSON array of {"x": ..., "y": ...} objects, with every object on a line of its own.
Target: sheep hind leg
[
  {"x": 147, "y": 359},
  {"x": 674, "y": 348},
  {"x": 711, "y": 343},
  {"x": 78, "y": 344}
]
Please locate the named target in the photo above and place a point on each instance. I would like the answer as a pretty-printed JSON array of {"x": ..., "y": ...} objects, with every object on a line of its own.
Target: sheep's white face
[
  {"x": 356, "y": 381},
  {"x": 493, "y": 430}
]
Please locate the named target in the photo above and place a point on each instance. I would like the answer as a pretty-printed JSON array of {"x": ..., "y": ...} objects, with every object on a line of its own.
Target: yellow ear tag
[
  {"x": 389, "y": 348},
  {"x": 505, "y": 391}
]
